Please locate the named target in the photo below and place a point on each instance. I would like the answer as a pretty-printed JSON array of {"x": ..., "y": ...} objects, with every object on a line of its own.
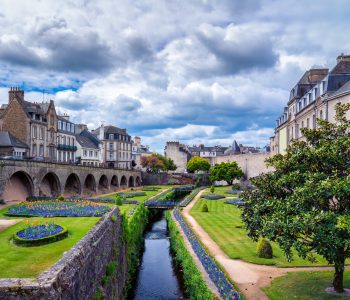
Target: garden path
[
  {"x": 250, "y": 278},
  {"x": 8, "y": 223}
]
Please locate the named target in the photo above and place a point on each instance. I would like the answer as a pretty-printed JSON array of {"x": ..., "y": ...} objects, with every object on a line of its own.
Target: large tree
[
  {"x": 198, "y": 163},
  {"x": 226, "y": 171},
  {"x": 157, "y": 162},
  {"x": 305, "y": 203}
]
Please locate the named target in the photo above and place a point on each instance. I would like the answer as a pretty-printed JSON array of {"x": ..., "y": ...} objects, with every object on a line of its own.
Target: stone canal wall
[{"x": 95, "y": 266}]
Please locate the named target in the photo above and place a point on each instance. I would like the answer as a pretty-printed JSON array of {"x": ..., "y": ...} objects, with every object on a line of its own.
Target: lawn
[
  {"x": 304, "y": 285},
  {"x": 28, "y": 262},
  {"x": 224, "y": 225}
]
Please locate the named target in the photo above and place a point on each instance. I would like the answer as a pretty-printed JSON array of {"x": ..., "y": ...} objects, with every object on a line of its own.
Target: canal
[{"x": 158, "y": 277}]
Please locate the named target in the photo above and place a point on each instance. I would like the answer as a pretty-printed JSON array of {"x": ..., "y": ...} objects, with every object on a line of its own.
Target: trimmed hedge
[
  {"x": 212, "y": 196},
  {"x": 264, "y": 248},
  {"x": 195, "y": 286},
  {"x": 190, "y": 197},
  {"x": 131, "y": 194},
  {"x": 150, "y": 189},
  {"x": 42, "y": 241}
]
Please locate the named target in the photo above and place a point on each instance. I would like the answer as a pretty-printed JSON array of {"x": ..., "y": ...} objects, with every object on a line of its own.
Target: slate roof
[
  {"x": 87, "y": 140},
  {"x": 9, "y": 140},
  {"x": 345, "y": 88},
  {"x": 342, "y": 67}
]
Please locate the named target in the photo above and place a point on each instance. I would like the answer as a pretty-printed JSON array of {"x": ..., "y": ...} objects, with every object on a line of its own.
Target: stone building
[
  {"x": 313, "y": 97},
  {"x": 66, "y": 141},
  {"x": 34, "y": 124},
  {"x": 88, "y": 148},
  {"x": 179, "y": 153},
  {"x": 116, "y": 146},
  {"x": 139, "y": 150},
  {"x": 12, "y": 146}
]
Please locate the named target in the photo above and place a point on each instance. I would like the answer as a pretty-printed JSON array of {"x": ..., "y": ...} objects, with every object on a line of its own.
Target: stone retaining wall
[{"x": 77, "y": 275}]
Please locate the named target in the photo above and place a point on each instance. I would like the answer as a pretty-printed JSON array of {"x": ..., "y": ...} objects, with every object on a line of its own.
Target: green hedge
[
  {"x": 133, "y": 228},
  {"x": 42, "y": 241},
  {"x": 195, "y": 286}
]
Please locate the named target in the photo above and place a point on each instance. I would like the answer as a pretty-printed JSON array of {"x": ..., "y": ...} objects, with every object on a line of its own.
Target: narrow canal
[{"x": 158, "y": 277}]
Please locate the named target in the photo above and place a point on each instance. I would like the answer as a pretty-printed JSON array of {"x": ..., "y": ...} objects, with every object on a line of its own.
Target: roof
[
  {"x": 9, "y": 140},
  {"x": 341, "y": 67},
  {"x": 234, "y": 149},
  {"x": 87, "y": 140},
  {"x": 344, "y": 89},
  {"x": 110, "y": 130}
]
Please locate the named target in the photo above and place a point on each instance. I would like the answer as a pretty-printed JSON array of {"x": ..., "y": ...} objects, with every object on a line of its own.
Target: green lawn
[
  {"x": 224, "y": 225},
  {"x": 26, "y": 262},
  {"x": 304, "y": 285}
]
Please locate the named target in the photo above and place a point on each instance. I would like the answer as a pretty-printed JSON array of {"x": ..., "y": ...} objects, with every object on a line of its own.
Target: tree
[
  {"x": 226, "y": 171},
  {"x": 197, "y": 163},
  {"x": 305, "y": 203},
  {"x": 157, "y": 162}
]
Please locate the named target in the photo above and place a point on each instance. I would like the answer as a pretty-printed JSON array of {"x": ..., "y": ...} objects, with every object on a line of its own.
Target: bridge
[{"x": 22, "y": 178}]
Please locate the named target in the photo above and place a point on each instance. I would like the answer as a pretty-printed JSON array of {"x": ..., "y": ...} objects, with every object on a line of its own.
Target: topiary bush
[
  {"x": 264, "y": 249},
  {"x": 61, "y": 198},
  {"x": 212, "y": 189},
  {"x": 205, "y": 208},
  {"x": 118, "y": 200}
]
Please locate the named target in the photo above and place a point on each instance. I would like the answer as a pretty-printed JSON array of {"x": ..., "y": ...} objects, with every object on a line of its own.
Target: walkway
[{"x": 250, "y": 278}]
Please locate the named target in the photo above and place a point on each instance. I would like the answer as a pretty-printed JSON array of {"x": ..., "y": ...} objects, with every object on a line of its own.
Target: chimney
[
  {"x": 65, "y": 116},
  {"x": 102, "y": 133},
  {"x": 16, "y": 92},
  {"x": 343, "y": 57}
]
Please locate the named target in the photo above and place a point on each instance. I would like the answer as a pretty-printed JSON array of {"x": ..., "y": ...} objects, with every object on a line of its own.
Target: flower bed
[
  {"x": 190, "y": 197},
  {"x": 218, "y": 277},
  {"x": 233, "y": 192},
  {"x": 35, "y": 235},
  {"x": 237, "y": 202},
  {"x": 212, "y": 196},
  {"x": 58, "y": 209},
  {"x": 131, "y": 194}
]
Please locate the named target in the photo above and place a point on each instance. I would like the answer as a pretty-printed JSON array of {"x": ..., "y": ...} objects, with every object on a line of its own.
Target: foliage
[
  {"x": 190, "y": 197},
  {"x": 195, "y": 286},
  {"x": 61, "y": 198},
  {"x": 217, "y": 276},
  {"x": 305, "y": 203},
  {"x": 264, "y": 248},
  {"x": 205, "y": 208},
  {"x": 198, "y": 163},
  {"x": 157, "y": 162},
  {"x": 226, "y": 171},
  {"x": 212, "y": 189},
  {"x": 212, "y": 196},
  {"x": 118, "y": 200},
  {"x": 58, "y": 209},
  {"x": 237, "y": 202}
]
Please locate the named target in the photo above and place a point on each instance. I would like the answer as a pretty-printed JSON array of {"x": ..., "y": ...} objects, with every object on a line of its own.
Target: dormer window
[{"x": 111, "y": 136}]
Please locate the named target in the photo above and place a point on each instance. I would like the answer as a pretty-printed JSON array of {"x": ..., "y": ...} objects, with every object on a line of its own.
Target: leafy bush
[
  {"x": 205, "y": 208},
  {"x": 118, "y": 200},
  {"x": 264, "y": 248},
  {"x": 61, "y": 198},
  {"x": 212, "y": 196},
  {"x": 195, "y": 286},
  {"x": 212, "y": 189}
]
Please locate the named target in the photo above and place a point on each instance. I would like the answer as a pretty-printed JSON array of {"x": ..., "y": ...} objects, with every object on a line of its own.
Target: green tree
[
  {"x": 168, "y": 163},
  {"x": 305, "y": 203},
  {"x": 226, "y": 171},
  {"x": 197, "y": 163},
  {"x": 152, "y": 163}
]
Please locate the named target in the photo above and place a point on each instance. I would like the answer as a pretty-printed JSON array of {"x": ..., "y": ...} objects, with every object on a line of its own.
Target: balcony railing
[{"x": 67, "y": 147}]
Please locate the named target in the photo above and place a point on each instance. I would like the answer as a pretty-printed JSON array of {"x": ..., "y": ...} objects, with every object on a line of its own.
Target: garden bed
[{"x": 212, "y": 196}]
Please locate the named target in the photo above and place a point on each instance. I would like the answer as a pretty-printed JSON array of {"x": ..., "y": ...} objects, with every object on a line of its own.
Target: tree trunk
[{"x": 338, "y": 275}]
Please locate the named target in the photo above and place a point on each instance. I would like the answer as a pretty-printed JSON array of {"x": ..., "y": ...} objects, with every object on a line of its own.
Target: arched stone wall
[
  {"x": 18, "y": 187},
  {"x": 72, "y": 185},
  {"x": 50, "y": 185}
]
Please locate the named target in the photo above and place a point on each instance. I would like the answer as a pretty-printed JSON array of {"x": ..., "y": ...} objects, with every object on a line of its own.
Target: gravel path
[{"x": 250, "y": 278}]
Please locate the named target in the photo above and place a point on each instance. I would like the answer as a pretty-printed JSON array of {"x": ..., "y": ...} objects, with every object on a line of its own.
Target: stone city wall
[{"x": 77, "y": 275}]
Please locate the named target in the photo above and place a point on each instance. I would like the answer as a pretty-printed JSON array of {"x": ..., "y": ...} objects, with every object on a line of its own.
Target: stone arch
[
  {"x": 72, "y": 185},
  {"x": 103, "y": 183},
  {"x": 123, "y": 182},
  {"x": 137, "y": 181},
  {"x": 114, "y": 182},
  {"x": 18, "y": 187},
  {"x": 50, "y": 185},
  {"x": 131, "y": 181},
  {"x": 90, "y": 184}
]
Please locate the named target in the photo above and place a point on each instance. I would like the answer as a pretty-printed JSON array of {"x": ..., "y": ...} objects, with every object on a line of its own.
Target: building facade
[
  {"x": 179, "y": 153},
  {"x": 116, "y": 146},
  {"x": 88, "y": 148},
  {"x": 138, "y": 150},
  {"x": 314, "y": 97},
  {"x": 66, "y": 141}
]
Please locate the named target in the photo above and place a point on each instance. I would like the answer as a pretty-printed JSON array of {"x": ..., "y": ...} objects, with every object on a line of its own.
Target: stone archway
[
  {"x": 123, "y": 182},
  {"x": 50, "y": 185},
  {"x": 103, "y": 183},
  {"x": 138, "y": 181},
  {"x": 90, "y": 184},
  {"x": 114, "y": 182},
  {"x": 131, "y": 181},
  {"x": 72, "y": 186},
  {"x": 18, "y": 187}
]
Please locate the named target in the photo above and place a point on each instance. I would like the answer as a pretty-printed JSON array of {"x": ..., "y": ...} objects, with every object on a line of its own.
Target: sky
[{"x": 194, "y": 71}]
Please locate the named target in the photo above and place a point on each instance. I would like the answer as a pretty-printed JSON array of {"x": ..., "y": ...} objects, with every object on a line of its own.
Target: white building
[{"x": 66, "y": 142}]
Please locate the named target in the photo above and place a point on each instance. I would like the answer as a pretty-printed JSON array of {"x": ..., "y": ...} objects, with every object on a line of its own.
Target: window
[
  {"x": 59, "y": 125},
  {"x": 96, "y": 153},
  {"x": 64, "y": 140},
  {"x": 321, "y": 114},
  {"x": 64, "y": 125},
  {"x": 68, "y": 127},
  {"x": 111, "y": 137},
  {"x": 34, "y": 150},
  {"x": 72, "y": 128},
  {"x": 41, "y": 133},
  {"x": 34, "y": 132},
  {"x": 52, "y": 119},
  {"x": 85, "y": 153},
  {"x": 110, "y": 155},
  {"x": 90, "y": 153},
  {"x": 307, "y": 123},
  {"x": 41, "y": 150},
  {"x": 110, "y": 146},
  {"x": 314, "y": 121},
  {"x": 302, "y": 124}
]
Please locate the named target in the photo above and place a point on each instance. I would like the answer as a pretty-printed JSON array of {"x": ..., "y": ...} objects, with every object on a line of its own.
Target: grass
[
  {"x": 29, "y": 262},
  {"x": 224, "y": 225},
  {"x": 304, "y": 285}
]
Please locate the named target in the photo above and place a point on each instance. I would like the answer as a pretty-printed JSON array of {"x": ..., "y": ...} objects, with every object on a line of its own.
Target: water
[{"x": 158, "y": 278}]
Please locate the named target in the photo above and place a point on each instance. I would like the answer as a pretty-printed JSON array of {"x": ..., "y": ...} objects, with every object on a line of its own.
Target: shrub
[
  {"x": 212, "y": 189},
  {"x": 235, "y": 186},
  {"x": 118, "y": 200},
  {"x": 61, "y": 198},
  {"x": 205, "y": 208},
  {"x": 264, "y": 248}
]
